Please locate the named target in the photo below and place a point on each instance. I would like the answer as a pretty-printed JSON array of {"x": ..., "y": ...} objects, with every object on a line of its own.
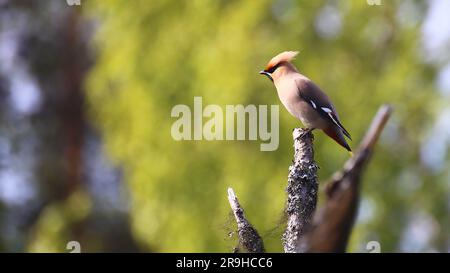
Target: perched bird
[{"x": 304, "y": 99}]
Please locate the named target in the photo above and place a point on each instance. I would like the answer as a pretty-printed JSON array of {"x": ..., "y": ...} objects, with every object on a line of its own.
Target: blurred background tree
[{"x": 86, "y": 95}]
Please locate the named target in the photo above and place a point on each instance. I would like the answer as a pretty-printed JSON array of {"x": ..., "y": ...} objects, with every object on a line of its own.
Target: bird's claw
[
  {"x": 302, "y": 133},
  {"x": 306, "y": 132}
]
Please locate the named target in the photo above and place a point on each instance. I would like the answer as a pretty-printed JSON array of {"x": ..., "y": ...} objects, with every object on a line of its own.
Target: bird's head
[{"x": 279, "y": 65}]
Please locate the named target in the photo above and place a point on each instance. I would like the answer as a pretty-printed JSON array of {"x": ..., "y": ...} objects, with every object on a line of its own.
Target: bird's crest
[{"x": 286, "y": 56}]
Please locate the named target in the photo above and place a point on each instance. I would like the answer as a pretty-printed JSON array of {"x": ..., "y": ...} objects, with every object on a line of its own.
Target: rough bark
[
  {"x": 301, "y": 191},
  {"x": 249, "y": 239}
]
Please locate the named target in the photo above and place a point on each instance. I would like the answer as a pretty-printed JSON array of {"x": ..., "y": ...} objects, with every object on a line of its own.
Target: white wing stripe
[
  {"x": 330, "y": 114},
  {"x": 326, "y": 110},
  {"x": 335, "y": 122},
  {"x": 313, "y": 104}
]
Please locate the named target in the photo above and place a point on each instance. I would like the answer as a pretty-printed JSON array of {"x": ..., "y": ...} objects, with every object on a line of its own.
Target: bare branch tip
[{"x": 231, "y": 194}]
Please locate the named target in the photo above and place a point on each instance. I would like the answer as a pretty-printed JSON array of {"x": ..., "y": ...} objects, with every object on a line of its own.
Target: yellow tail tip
[{"x": 350, "y": 153}]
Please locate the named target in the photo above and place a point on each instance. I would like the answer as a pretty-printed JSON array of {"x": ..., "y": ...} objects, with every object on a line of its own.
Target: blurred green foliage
[{"x": 153, "y": 55}]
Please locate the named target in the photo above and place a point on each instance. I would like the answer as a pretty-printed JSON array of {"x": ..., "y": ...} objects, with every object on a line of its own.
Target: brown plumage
[{"x": 304, "y": 99}]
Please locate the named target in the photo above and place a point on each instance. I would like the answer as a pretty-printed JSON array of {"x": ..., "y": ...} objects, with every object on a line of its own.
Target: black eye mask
[{"x": 273, "y": 68}]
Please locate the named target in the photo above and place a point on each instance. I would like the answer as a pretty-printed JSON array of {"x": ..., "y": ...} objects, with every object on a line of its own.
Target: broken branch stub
[{"x": 249, "y": 238}]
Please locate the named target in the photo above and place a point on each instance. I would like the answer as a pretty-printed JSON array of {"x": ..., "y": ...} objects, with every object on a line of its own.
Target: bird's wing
[{"x": 320, "y": 102}]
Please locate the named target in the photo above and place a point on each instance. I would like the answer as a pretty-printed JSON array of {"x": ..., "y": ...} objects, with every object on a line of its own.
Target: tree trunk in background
[{"x": 72, "y": 114}]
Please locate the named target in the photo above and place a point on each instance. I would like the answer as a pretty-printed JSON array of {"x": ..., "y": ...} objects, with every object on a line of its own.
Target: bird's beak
[{"x": 262, "y": 72}]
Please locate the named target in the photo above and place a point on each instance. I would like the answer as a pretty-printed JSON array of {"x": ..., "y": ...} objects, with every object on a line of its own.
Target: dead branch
[
  {"x": 249, "y": 238},
  {"x": 301, "y": 191},
  {"x": 334, "y": 222}
]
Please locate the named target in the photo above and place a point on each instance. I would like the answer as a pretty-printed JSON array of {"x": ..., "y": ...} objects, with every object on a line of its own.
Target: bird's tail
[{"x": 336, "y": 134}]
